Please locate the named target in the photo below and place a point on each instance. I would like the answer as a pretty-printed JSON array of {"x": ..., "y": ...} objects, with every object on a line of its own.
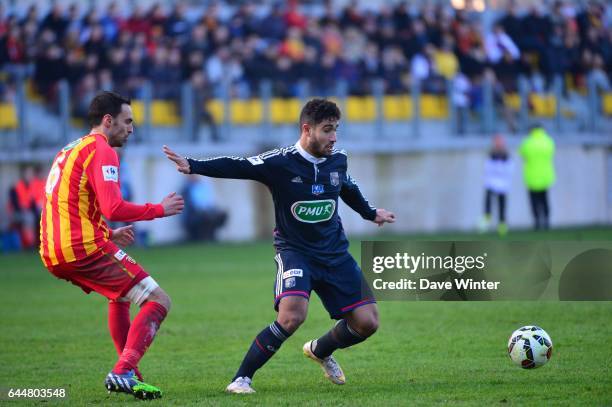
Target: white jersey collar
[{"x": 307, "y": 155}]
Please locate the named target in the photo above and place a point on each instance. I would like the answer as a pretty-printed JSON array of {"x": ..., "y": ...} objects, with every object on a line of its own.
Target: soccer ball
[{"x": 530, "y": 347}]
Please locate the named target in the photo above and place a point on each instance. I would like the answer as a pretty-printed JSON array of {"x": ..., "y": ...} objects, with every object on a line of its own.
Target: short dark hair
[
  {"x": 105, "y": 103},
  {"x": 318, "y": 110}
]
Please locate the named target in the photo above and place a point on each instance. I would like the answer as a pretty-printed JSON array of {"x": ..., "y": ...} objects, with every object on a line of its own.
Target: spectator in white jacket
[{"x": 498, "y": 179}]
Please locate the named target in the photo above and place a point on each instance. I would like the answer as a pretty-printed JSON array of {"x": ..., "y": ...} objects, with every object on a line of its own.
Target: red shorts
[{"x": 109, "y": 272}]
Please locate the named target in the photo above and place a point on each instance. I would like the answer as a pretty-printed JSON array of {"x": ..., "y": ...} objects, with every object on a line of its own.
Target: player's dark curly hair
[
  {"x": 105, "y": 103},
  {"x": 318, "y": 110}
]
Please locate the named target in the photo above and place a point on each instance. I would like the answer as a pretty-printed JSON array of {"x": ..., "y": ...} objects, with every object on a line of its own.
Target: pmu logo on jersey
[
  {"x": 313, "y": 211},
  {"x": 110, "y": 173},
  {"x": 317, "y": 189}
]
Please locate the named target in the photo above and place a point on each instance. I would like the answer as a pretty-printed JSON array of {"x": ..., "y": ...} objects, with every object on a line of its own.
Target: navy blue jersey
[{"x": 305, "y": 191}]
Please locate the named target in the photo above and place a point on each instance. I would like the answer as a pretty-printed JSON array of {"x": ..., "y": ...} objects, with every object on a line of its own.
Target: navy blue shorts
[{"x": 341, "y": 288}]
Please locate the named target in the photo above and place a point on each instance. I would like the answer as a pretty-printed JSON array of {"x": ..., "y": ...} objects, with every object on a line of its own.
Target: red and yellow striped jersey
[{"x": 82, "y": 186}]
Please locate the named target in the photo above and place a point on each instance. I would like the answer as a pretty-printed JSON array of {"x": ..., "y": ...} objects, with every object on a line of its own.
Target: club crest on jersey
[
  {"x": 317, "y": 189},
  {"x": 290, "y": 282},
  {"x": 334, "y": 178}
]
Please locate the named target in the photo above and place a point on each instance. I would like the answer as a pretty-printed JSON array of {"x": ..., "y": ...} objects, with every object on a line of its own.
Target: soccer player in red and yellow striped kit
[{"x": 77, "y": 245}]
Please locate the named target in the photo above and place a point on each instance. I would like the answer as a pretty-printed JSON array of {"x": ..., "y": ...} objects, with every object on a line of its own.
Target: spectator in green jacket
[{"x": 537, "y": 152}]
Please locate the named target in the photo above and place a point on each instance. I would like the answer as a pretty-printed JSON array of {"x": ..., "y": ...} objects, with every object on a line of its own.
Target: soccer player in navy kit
[{"x": 306, "y": 180}]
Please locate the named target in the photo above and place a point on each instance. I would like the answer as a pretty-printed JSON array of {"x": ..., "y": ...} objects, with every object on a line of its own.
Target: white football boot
[
  {"x": 242, "y": 385},
  {"x": 330, "y": 367}
]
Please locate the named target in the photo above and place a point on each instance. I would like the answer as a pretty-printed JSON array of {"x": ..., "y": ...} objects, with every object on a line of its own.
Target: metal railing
[{"x": 38, "y": 126}]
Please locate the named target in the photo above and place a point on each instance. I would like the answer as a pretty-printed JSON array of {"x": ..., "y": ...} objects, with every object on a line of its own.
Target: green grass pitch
[{"x": 425, "y": 353}]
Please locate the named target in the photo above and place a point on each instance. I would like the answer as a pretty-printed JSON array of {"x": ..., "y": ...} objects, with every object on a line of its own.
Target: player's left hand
[
  {"x": 182, "y": 165},
  {"x": 123, "y": 236},
  {"x": 384, "y": 216}
]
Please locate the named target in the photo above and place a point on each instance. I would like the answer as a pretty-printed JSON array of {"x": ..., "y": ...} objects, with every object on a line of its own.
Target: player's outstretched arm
[
  {"x": 103, "y": 174},
  {"x": 254, "y": 168},
  {"x": 182, "y": 165},
  {"x": 384, "y": 216}
]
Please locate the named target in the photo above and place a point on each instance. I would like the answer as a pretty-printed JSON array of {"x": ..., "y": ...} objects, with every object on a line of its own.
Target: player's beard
[
  {"x": 119, "y": 140},
  {"x": 327, "y": 148},
  {"x": 322, "y": 149},
  {"x": 116, "y": 142}
]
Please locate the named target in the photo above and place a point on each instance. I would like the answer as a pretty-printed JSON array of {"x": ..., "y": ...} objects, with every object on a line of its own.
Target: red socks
[
  {"x": 119, "y": 326},
  {"x": 119, "y": 323},
  {"x": 140, "y": 335}
]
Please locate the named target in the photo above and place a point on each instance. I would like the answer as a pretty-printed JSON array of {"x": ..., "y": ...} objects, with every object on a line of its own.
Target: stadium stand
[{"x": 239, "y": 46}]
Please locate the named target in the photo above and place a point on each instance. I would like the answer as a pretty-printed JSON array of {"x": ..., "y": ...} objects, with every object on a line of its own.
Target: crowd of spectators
[{"x": 218, "y": 44}]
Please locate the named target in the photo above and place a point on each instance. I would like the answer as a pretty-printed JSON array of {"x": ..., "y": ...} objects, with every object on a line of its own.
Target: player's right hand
[
  {"x": 384, "y": 216},
  {"x": 123, "y": 236},
  {"x": 182, "y": 165},
  {"x": 173, "y": 204}
]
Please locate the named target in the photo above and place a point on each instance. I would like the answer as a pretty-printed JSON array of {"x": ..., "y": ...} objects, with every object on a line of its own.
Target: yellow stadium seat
[
  {"x": 283, "y": 111},
  {"x": 8, "y": 116},
  {"x": 215, "y": 108},
  {"x": 248, "y": 111},
  {"x": 543, "y": 105},
  {"x": 397, "y": 107},
  {"x": 278, "y": 111},
  {"x": 293, "y": 109},
  {"x": 606, "y": 102},
  {"x": 360, "y": 108},
  {"x": 163, "y": 113},
  {"x": 512, "y": 101},
  {"x": 138, "y": 111},
  {"x": 434, "y": 107}
]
